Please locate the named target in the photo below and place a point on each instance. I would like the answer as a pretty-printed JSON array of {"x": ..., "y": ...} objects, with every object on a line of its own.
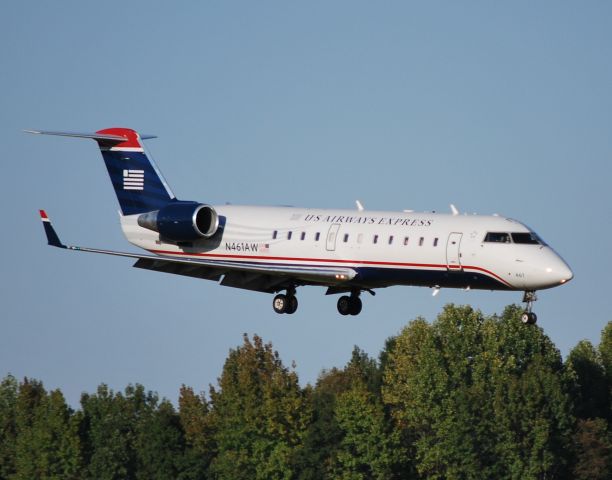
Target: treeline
[{"x": 465, "y": 397}]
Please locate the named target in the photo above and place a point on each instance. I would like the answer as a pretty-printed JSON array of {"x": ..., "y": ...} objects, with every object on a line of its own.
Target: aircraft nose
[{"x": 560, "y": 271}]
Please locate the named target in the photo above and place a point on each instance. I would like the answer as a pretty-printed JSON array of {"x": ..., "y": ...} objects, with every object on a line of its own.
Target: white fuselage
[{"x": 385, "y": 248}]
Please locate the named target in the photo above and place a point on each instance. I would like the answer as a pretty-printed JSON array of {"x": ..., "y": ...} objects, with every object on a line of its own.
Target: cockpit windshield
[
  {"x": 497, "y": 237},
  {"x": 523, "y": 238},
  {"x": 526, "y": 238}
]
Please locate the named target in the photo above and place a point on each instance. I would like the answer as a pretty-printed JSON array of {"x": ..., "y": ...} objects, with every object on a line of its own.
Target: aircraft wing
[{"x": 239, "y": 274}]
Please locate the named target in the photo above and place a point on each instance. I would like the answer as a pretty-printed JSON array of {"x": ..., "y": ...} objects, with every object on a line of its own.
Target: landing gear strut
[
  {"x": 285, "y": 303},
  {"x": 350, "y": 305},
  {"x": 529, "y": 317}
]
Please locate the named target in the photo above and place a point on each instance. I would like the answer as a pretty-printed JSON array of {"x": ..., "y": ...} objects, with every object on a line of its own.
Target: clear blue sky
[{"x": 495, "y": 108}]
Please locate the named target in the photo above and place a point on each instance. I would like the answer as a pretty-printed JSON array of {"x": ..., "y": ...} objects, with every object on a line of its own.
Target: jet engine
[{"x": 182, "y": 221}]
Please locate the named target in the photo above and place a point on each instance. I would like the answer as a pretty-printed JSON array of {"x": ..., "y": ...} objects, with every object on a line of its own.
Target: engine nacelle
[{"x": 182, "y": 221}]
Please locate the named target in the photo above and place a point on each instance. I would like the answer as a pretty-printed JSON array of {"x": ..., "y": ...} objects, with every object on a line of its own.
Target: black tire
[
  {"x": 279, "y": 304},
  {"x": 529, "y": 318},
  {"x": 356, "y": 305},
  {"x": 292, "y": 305},
  {"x": 344, "y": 305}
]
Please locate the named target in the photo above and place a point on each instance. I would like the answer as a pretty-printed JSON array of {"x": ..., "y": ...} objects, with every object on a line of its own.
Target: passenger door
[
  {"x": 332, "y": 235},
  {"x": 453, "y": 253}
]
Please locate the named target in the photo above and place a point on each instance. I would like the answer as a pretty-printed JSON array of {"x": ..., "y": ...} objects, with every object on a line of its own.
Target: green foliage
[
  {"x": 593, "y": 448},
  {"x": 464, "y": 397},
  {"x": 197, "y": 425},
  {"x": 47, "y": 443},
  {"x": 605, "y": 353},
  {"x": 159, "y": 443},
  {"x": 323, "y": 435},
  {"x": 8, "y": 429},
  {"x": 369, "y": 446},
  {"x": 108, "y": 433},
  {"x": 481, "y": 398},
  {"x": 346, "y": 438},
  {"x": 259, "y": 415},
  {"x": 130, "y": 435},
  {"x": 589, "y": 381}
]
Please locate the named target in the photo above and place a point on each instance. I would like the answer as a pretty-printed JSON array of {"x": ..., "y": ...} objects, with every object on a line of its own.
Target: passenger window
[
  {"x": 390, "y": 239},
  {"x": 346, "y": 237},
  {"x": 360, "y": 238},
  {"x": 289, "y": 235},
  {"x": 421, "y": 240},
  {"x": 405, "y": 241},
  {"x": 375, "y": 238},
  {"x": 436, "y": 242},
  {"x": 497, "y": 237},
  {"x": 303, "y": 236},
  {"x": 525, "y": 238},
  {"x": 317, "y": 236},
  {"x": 274, "y": 234}
]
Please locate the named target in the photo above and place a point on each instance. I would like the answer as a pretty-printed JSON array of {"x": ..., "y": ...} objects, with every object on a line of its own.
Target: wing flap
[{"x": 196, "y": 271}]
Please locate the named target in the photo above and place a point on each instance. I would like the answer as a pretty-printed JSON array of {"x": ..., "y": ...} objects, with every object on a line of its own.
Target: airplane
[{"x": 278, "y": 249}]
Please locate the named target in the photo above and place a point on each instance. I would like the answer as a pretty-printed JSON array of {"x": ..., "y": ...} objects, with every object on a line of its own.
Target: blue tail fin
[{"x": 138, "y": 183}]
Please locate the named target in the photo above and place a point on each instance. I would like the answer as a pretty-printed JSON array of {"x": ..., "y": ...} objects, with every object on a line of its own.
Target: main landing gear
[
  {"x": 285, "y": 303},
  {"x": 350, "y": 305},
  {"x": 347, "y": 304},
  {"x": 529, "y": 317}
]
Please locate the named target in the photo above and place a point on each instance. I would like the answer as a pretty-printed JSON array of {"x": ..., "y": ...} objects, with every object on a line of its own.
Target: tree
[
  {"x": 159, "y": 441},
  {"x": 130, "y": 435},
  {"x": 591, "y": 391},
  {"x": 107, "y": 432},
  {"x": 322, "y": 436},
  {"x": 593, "y": 450},
  {"x": 196, "y": 424},
  {"x": 531, "y": 399},
  {"x": 369, "y": 446},
  {"x": 327, "y": 432},
  {"x": 605, "y": 353},
  {"x": 47, "y": 444},
  {"x": 258, "y": 413},
  {"x": 8, "y": 429},
  {"x": 479, "y": 397}
]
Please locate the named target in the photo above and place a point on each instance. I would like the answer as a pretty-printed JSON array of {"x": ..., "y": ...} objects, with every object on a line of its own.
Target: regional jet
[{"x": 278, "y": 249}]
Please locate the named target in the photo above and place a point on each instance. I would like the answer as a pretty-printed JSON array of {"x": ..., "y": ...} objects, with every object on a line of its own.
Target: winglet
[{"x": 52, "y": 238}]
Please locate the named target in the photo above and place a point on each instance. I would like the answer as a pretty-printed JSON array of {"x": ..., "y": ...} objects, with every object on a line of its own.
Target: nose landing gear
[{"x": 529, "y": 317}]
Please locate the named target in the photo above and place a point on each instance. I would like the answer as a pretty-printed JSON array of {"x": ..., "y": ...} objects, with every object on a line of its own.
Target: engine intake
[{"x": 182, "y": 222}]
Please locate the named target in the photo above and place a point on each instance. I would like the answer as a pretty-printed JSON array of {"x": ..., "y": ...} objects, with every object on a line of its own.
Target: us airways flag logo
[{"x": 133, "y": 179}]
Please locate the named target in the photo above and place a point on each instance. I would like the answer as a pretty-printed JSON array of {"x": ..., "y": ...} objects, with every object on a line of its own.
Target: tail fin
[{"x": 138, "y": 183}]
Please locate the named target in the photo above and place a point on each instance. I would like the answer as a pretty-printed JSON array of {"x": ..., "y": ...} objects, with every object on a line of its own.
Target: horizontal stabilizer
[{"x": 95, "y": 136}]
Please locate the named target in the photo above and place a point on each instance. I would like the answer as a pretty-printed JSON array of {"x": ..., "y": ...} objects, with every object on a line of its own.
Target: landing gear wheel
[
  {"x": 344, "y": 305},
  {"x": 349, "y": 305},
  {"x": 292, "y": 305},
  {"x": 280, "y": 303},
  {"x": 355, "y": 305},
  {"x": 529, "y": 318}
]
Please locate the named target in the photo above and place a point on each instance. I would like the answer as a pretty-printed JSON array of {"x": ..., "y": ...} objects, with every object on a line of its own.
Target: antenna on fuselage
[
  {"x": 359, "y": 206},
  {"x": 454, "y": 210}
]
